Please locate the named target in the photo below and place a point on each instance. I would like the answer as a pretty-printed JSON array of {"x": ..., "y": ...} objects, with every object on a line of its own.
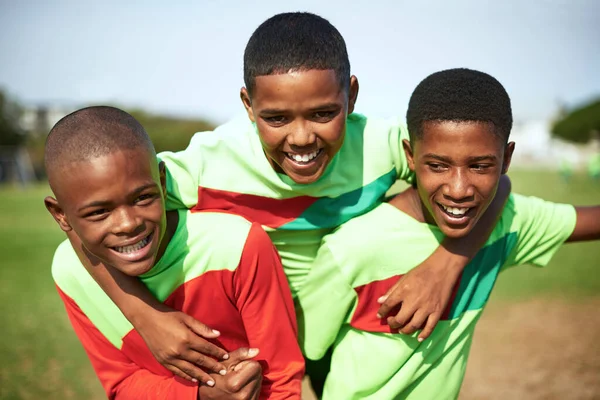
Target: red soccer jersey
[{"x": 219, "y": 269}]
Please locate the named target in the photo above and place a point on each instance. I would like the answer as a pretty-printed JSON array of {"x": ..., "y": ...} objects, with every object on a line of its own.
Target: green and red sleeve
[
  {"x": 121, "y": 377},
  {"x": 264, "y": 318},
  {"x": 264, "y": 300}
]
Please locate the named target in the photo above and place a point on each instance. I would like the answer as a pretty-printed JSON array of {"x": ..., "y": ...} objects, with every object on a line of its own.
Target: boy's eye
[
  {"x": 324, "y": 115},
  {"x": 480, "y": 167},
  {"x": 275, "y": 120},
  {"x": 145, "y": 199},
  {"x": 96, "y": 214},
  {"x": 435, "y": 167}
]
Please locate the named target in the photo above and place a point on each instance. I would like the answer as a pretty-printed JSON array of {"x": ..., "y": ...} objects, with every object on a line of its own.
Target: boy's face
[
  {"x": 115, "y": 204},
  {"x": 457, "y": 167},
  {"x": 301, "y": 119}
]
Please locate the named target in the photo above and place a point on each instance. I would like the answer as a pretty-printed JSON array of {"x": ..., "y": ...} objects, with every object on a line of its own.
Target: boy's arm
[
  {"x": 426, "y": 290},
  {"x": 174, "y": 338},
  {"x": 587, "y": 226},
  {"x": 543, "y": 227},
  {"x": 123, "y": 379},
  {"x": 264, "y": 300},
  {"x": 120, "y": 377}
]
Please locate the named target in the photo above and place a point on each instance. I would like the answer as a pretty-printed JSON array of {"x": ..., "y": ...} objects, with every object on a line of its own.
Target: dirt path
[{"x": 535, "y": 350}]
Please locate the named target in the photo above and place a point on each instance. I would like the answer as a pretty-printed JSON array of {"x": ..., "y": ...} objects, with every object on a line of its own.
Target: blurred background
[{"x": 178, "y": 68}]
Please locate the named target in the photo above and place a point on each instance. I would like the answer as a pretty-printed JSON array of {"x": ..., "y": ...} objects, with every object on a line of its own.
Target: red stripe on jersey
[
  {"x": 263, "y": 210},
  {"x": 365, "y": 315}
]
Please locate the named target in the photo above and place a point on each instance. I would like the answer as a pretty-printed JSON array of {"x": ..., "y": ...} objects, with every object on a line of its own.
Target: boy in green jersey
[{"x": 459, "y": 122}]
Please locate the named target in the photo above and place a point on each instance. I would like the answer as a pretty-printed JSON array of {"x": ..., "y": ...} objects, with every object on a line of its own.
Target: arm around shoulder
[{"x": 174, "y": 338}]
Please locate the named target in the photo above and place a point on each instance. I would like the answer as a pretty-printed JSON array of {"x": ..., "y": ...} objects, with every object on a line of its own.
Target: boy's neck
[
  {"x": 172, "y": 222},
  {"x": 409, "y": 202}
]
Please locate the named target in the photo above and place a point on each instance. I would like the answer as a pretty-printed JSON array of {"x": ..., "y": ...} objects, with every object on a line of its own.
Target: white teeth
[
  {"x": 134, "y": 247},
  {"x": 459, "y": 212},
  {"x": 303, "y": 157}
]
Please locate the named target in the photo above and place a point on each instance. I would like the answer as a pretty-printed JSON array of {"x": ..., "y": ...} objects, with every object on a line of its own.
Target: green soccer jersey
[
  {"x": 227, "y": 170},
  {"x": 362, "y": 259}
]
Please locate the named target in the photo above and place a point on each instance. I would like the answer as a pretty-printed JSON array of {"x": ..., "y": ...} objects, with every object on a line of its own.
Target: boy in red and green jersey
[
  {"x": 216, "y": 267},
  {"x": 300, "y": 165},
  {"x": 459, "y": 121},
  {"x": 296, "y": 216}
]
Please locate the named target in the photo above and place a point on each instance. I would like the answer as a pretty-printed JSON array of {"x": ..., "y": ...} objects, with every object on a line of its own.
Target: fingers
[
  {"x": 201, "y": 329},
  {"x": 177, "y": 372},
  {"x": 239, "y": 355},
  {"x": 390, "y": 300},
  {"x": 203, "y": 346},
  {"x": 185, "y": 353},
  {"x": 243, "y": 374},
  {"x": 415, "y": 323},
  {"x": 432, "y": 321},
  {"x": 194, "y": 366},
  {"x": 190, "y": 372},
  {"x": 399, "y": 320},
  {"x": 193, "y": 363},
  {"x": 203, "y": 363}
]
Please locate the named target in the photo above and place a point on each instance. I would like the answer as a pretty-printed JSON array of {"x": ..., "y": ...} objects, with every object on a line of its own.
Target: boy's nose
[
  {"x": 125, "y": 222},
  {"x": 301, "y": 136},
  {"x": 458, "y": 187}
]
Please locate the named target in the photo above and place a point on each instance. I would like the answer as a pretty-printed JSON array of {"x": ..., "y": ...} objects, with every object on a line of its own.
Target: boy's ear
[
  {"x": 352, "y": 93},
  {"x": 508, "y": 152},
  {"x": 162, "y": 173},
  {"x": 245, "y": 97},
  {"x": 408, "y": 151},
  {"x": 57, "y": 213}
]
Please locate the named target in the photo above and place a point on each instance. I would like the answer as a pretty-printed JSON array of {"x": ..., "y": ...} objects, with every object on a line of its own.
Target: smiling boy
[
  {"x": 109, "y": 198},
  {"x": 459, "y": 121},
  {"x": 300, "y": 164}
]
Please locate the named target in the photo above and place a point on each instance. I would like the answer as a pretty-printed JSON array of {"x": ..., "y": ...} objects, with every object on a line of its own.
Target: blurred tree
[
  {"x": 170, "y": 133},
  {"x": 11, "y": 133},
  {"x": 580, "y": 124}
]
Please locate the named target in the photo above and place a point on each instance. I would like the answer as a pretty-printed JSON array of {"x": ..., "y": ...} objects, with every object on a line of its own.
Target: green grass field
[{"x": 42, "y": 359}]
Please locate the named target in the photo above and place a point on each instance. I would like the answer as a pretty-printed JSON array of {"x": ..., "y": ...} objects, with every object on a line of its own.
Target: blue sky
[{"x": 185, "y": 57}]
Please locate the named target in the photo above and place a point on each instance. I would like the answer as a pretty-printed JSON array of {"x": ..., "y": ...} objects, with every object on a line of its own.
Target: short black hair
[
  {"x": 459, "y": 95},
  {"x": 295, "y": 41},
  {"x": 92, "y": 132}
]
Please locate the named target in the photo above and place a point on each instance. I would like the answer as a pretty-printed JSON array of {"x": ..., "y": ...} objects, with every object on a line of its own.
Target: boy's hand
[
  {"x": 242, "y": 381},
  {"x": 423, "y": 293},
  {"x": 176, "y": 341}
]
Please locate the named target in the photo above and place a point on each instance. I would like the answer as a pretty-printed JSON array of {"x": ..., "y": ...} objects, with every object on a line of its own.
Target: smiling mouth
[
  {"x": 134, "y": 247},
  {"x": 304, "y": 159},
  {"x": 456, "y": 213}
]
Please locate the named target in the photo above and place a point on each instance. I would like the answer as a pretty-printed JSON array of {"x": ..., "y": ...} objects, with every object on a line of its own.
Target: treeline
[
  {"x": 166, "y": 132},
  {"x": 579, "y": 125},
  {"x": 170, "y": 133}
]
